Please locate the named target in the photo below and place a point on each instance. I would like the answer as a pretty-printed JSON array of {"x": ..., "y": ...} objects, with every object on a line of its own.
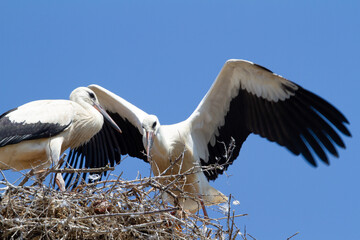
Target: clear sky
[{"x": 164, "y": 55}]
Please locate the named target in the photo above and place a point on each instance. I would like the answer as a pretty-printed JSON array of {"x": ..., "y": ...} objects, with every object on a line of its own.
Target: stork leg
[
  {"x": 54, "y": 153},
  {"x": 203, "y": 207},
  {"x": 40, "y": 177},
  {"x": 60, "y": 181}
]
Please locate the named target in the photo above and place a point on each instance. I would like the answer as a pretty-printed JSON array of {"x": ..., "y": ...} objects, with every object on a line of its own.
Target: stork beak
[
  {"x": 149, "y": 141},
  {"x": 107, "y": 117}
]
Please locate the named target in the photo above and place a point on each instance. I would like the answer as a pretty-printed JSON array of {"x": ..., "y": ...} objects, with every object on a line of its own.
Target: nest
[{"x": 108, "y": 209}]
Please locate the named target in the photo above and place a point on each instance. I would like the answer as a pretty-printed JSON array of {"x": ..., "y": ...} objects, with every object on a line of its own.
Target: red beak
[
  {"x": 107, "y": 117},
  {"x": 149, "y": 142}
]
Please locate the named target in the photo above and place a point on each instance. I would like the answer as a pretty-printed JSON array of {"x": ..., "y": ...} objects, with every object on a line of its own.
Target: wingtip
[
  {"x": 312, "y": 163},
  {"x": 345, "y": 130}
]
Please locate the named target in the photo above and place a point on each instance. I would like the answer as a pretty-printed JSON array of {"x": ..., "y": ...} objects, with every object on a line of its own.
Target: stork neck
[
  {"x": 159, "y": 147},
  {"x": 88, "y": 122}
]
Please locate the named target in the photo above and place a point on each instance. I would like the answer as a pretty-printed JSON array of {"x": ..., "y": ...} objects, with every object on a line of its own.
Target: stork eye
[
  {"x": 92, "y": 95},
  {"x": 154, "y": 125}
]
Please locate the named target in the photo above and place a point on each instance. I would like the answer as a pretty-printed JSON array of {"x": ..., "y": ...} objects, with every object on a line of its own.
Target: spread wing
[{"x": 247, "y": 98}]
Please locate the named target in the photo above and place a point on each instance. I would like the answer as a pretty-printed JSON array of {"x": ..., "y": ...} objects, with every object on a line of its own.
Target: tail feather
[{"x": 213, "y": 197}]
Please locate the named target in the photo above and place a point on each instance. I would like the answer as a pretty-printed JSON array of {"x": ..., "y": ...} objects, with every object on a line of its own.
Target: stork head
[
  {"x": 151, "y": 126},
  {"x": 85, "y": 96}
]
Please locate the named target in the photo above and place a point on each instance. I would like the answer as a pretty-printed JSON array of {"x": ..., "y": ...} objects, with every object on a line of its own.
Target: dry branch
[{"x": 110, "y": 209}]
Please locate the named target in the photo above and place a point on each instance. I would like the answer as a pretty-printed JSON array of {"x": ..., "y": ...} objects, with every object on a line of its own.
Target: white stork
[
  {"x": 245, "y": 98},
  {"x": 35, "y": 134}
]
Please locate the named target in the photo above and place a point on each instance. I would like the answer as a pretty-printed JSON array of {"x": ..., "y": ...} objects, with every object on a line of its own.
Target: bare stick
[
  {"x": 129, "y": 213},
  {"x": 235, "y": 216},
  {"x": 82, "y": 170},
  {"x": 27, "y": 177},
  {"x": 292, "y": 236}
]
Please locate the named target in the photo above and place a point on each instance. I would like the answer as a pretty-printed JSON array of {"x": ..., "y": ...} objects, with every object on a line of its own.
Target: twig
[
  {"x": 251, "y": 236},
  {"x": 6, "y": 181},
  {"x": 292, "y": 236},
  {"x": 235, "y": 216},
  {"x": 129, "y": 213},
  {"x": 27, "y": 177},
  {"x": 82, "y": 170}
]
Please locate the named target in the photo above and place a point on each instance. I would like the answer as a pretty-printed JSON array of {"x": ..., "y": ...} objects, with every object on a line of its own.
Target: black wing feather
[
  {"x": 304, "y": 123},
  {"x": 12, "y": 132},
  {"x": 107, "y": 146}
]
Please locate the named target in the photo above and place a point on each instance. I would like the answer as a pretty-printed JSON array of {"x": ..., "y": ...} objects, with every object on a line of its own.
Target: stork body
[
  {"x": 35, "y": 134},
  {"x": 245, "y": 98},
  {"x": 172, "y": 154}
]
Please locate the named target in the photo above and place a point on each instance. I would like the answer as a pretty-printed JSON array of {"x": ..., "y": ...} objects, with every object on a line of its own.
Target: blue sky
[{"x": 164, "y": 55}]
